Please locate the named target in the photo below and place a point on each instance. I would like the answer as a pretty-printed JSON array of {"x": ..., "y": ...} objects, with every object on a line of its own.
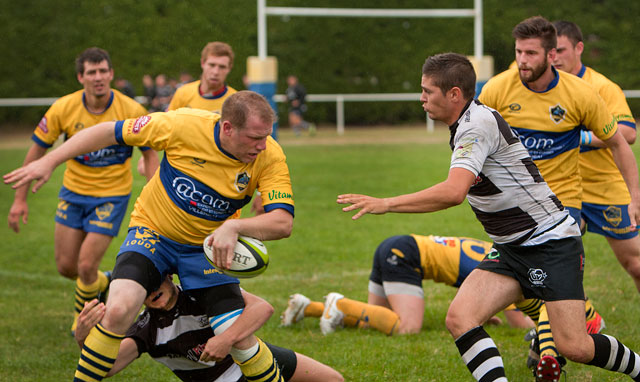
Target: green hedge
[{"x": 330, "y": 55}]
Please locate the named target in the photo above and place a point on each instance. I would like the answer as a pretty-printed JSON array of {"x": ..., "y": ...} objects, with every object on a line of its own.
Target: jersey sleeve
[
  {"x": 597, "y": 117},
  {"x": 177, "y": 101},
  {"x": 274, "y": 185},
  {"x": 471, "y": 148},
  {"x": 49, "y": 128},
  {"x": 617, "y": 104},
  {"x": 153, "y": 130}
]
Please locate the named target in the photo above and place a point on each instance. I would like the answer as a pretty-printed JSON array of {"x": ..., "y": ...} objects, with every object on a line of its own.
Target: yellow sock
[
  {"x": 98, "y": 354},
  {"x": 103, "y": 281},
  {"x": 377, "y": 317},
  {"x": 547, "y": 345},
  {"x": 86, "y": 292},
  {"x": 589, "y": 310},
  {"x": 261, "y": 367},
  {"x": 530, "y": 307},
  {"x": 314, "y": 309}
]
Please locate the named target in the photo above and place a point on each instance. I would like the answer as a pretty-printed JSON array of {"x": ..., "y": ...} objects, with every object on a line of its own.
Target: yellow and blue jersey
[
  {"x": 188, "y": 95},
  {"x": 199, "y": 184},
  {"x": 102, "y": 173},
  {"x": 548, "y": 124},
  {"x": 602, "y": 182},
  {"x": 449, "y": 260}
]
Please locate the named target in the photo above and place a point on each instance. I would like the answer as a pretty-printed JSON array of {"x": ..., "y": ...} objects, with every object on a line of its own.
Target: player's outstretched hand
[
  {"x": 366, "y": 204},
  {"x": 38, "y": 170},
  {"x": 19, "y": 209}
]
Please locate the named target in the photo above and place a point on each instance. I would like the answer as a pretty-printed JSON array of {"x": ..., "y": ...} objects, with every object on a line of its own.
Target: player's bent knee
[
  {"x": 68, "y": 271},
  {"x": 137, "y": 267}
]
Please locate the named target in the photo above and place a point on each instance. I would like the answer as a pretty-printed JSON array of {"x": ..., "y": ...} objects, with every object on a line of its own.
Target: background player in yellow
[
  {"x": 212, "y": 165},
  {"x": 96, "y": 185},
  {"x": 546, "y": 107},
  {"x": 605, "y": 198},
  {"x": 210, "y": 91}
]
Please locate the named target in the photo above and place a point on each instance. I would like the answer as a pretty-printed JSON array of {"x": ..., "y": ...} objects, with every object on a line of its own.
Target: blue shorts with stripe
[
  {"x": 187, "y": 261},
  {"x": 91, "y": 214}
]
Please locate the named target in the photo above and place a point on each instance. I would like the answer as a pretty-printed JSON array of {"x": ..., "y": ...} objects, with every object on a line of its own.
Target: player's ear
[{"x": 226, "y": 127}]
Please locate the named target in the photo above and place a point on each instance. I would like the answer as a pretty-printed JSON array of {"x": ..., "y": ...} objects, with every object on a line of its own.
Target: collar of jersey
[
  {"x": 84, "y": 103},
  {"x": 582, "y": 70},
  {"x": 215, "y": 95},
  {"x": 216, "y": 136},
  {"x": 552, "y": 84}
]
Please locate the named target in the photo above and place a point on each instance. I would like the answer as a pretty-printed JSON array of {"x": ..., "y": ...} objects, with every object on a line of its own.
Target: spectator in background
[
  {"x": 164, "y": 92},
  {"x": 125, "y": 87},
  {"x": 297, "y": 96},
  {"x": 149, "y": 89},
  {"x": 185, "y": 78}
]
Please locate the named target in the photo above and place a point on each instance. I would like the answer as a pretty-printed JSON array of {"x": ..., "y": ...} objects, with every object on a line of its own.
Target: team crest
[
  {"x": 537, "y": 276},
  {"x": 557, "y": 113},
  {"x": 242, "y": 181},
  {"x": 613, "y": 215},
  {"x": 104, "y": 211},
  {"x": 78, "y": 126}
]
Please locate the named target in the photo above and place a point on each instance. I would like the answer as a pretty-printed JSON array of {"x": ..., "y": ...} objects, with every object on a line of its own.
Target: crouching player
[
  {"x": 174, "y": 330},
  {"x": 396, "y": 299}
]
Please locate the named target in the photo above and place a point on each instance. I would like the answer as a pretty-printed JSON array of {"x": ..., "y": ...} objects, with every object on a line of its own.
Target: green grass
[{"x": 326, "y": 252}]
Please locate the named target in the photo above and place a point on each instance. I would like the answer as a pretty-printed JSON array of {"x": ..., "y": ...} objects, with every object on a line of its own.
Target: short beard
[{"x": 536, "y": 73}]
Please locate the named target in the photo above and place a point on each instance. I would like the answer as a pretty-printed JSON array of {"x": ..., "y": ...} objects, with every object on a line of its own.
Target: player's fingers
[{"x": 38, "y": 184}]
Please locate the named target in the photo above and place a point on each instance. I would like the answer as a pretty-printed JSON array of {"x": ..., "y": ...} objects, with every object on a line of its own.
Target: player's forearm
[
  {"x": 85, "y": 141},
  {"x": 626, "y": 162},
  {"x": 256, "y": 313},
  {"x": 151, "y": 163},
  {"x": 435, "y": 198},
  {"x": 35, "y": 152},
  {"x": 273, "y": 225}
]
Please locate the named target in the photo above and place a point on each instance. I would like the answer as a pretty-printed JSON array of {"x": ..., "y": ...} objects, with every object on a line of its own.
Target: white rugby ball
[{"x": 250, "y": 258}]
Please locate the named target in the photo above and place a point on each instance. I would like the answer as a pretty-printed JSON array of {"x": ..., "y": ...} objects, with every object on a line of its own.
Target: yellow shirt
[
  {"x": 106, "y": 172},
  {"x": 188, "y": 95},
  {"x": 602, "y": 182},
  {"x": 548, "y": 123},
  {"x": 199, "y": 185}
]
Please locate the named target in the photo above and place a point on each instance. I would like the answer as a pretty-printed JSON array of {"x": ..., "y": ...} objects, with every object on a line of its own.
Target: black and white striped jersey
[{"x": 509, "y": 197}]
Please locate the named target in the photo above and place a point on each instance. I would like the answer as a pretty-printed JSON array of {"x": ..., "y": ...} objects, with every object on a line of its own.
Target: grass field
[{"x": 326, "y": 252}]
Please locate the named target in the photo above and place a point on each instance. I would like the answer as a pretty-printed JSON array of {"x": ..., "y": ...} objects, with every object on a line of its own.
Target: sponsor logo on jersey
[
  {"x": 104, "y": 211},
  {"x": 515, "y": 107},
  {"x": 242, "y": 181},
  {"x": 273, "y": 195},
  {"x": 99, "y": 154},
  {"x": 557, "y": 113},
  {"x": 78, "y": 126},
  {"x": 42, "y": 125},
  {"x": 613, "y": 215},
  {"x": 464, "y": 148},
  {"x": 186, "y": 190},
  {"x": 140, "y": 123},
  {"x": 537, "y": 277}
]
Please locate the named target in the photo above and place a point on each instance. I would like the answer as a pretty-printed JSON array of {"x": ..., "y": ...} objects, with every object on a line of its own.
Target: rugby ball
[{"x": 250, "y": 258}]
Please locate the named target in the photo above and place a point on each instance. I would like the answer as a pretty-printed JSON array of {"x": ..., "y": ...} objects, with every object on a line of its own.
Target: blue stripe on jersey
[
  {"x": 118, "y": 132},
  {"x": 547, "y": 144},
  {"x": 275, "y": 206},
  {"x": 114, "y": 154},
  {"x": 551, "y": 85},
  {"x": 217, "y": 95},
  {"x": 40, "y": 142},
  {"x": 467, "y": 264},
  {"x": 84, "y": 103},
  {"x": 627, "y": 123},
  {"x": 196, "y": 198}
]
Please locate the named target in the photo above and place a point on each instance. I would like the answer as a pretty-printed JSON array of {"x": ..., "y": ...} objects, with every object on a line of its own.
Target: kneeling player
[
  {"x": 396, "y": 299},
  {"x": 175, "y": 331}
]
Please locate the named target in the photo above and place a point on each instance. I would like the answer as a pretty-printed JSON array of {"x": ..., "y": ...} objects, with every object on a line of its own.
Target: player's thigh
[
  {"x": 627, "y": 251},
  {"x": 310, "y": 370},
  {"x": 67, "y": 245},
  {"x": 375, "y": 299},
  {"x": 480, "y": 297},
  {"x": 569, "y": 328}
]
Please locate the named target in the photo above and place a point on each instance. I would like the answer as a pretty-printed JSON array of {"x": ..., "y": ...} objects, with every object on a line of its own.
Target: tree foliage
[{"x": 330, "y": 55}]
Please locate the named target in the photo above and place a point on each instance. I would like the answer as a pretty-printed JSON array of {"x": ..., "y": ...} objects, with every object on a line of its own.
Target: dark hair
[
  {"x": 537, "y": 27},
  {"x": 93, "y": 55},
  {"x": 449, "y": 70},
  {"x": 570, "y": 30},
  {"x": 239, "y": 106}
]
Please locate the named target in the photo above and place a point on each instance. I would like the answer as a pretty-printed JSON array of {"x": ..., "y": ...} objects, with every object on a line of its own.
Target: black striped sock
[
  {"x": 613, "y": 355},
  {"x": 481, "y": 356}
]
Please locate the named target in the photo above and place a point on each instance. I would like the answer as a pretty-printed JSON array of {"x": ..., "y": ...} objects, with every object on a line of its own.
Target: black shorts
[
  {"x": 550, "y": 271},
  {"x": 389, "y": 267}
]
